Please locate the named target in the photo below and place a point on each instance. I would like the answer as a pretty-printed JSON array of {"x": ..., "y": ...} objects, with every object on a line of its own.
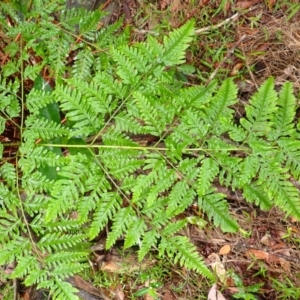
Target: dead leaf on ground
[
  {"x": 168, "y": 296},
  {"x": 164, "y": 3},
  {"x": 266, "y": 239},
  {"x": 217, "y": 266},
  {"x": 225, "y": 250},
  {"x": 175, "y": 6},
  {"x": 214, "y": 294},
  {"x": 247, "y": 4},
  {"x": 118, "y": 292}
]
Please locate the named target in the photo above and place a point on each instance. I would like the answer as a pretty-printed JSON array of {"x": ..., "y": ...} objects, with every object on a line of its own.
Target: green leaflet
[{"x": 49, "y": 113}]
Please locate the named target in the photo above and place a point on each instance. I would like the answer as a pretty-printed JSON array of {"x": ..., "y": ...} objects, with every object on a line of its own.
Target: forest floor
[{"x": 249, "y": 41}]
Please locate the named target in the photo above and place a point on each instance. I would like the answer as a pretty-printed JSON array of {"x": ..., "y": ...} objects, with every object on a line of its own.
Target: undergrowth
[{"x": 79, "y": 165}]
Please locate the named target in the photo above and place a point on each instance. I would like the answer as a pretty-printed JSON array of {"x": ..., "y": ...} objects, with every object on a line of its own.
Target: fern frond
[
  {"x": 78, "y": 110},
  {"x": 55, "y": 241},
  {"x": 167, "y": 179},
  {"x": 181, "y": 250},
  {"x": 149, "y": 240},
  {"x": 111, "y": 86},
  {"x": 65, "y": 269},
  {"x": 248, "y": 169},
  {"x": 36, "y": 276},
  {"x": 43, "y": 128},
  {"x": 59, "y": 289},
  {"x": 180, "y": 197},
  {"x": 24, "y": 265},
  {"x": 127, "y": 123},
  {"x": 82, "y": 66},
  {"x": 173, "y": 227},
  {"x": 196, "y": 96},
  {"x": 14, "y": 248},
  {"x": 284, "y": 194},
  {"x": 65, "y": 257},
  {"x": 148, "y": 109},
  {"x": 8, "y": 173},
  {"x": 260, "y": 112},
  {"x": 176, "y": 44},
  {"x": 283, "y": 123},
  {"x": 218, "y": 108},
  {"x": 135, "y": 232},
  {"x": 122, "y": 220},
  {"x": 291, "y": 158},
  {"x": 8, "y": 199},
  {"x": 38, "y": 98},
  {"x": 255, "y": 194},
  {"x": 111, "y": 35},
  {"x": 208, "y": 171},
  {"x": 108, "y": 205},
  {"x": 125, "y": 68},
  {"x": 216, "y": 208},
  {"x": 40, "y": 157}
]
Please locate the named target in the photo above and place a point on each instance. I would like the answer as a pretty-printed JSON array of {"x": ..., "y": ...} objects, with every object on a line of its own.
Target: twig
[{"x": 212, "y": 27}]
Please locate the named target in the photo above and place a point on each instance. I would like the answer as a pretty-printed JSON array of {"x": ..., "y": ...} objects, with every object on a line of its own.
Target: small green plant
[
  {"x": 80, "y": 167},
  {"x": 245, "y": 293},
  {"x": 286, "y": 289}
]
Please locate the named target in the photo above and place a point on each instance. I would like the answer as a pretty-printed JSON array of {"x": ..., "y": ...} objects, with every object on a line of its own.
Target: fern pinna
[{"x": 91, "y": 169}]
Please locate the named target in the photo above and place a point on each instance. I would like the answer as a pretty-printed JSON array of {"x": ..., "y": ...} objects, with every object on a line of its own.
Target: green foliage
[{"x": 91, "y": 172}]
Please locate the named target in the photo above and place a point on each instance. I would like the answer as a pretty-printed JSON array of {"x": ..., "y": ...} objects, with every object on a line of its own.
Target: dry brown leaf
[
  {"x": 258, "y": 254},
  {"x": 214, "y": 294},
  {"x": 164, "y": 4},
  {"x": 286, "y": 265},
  {"x": 271, "y": 4},
  {"x": 217, "y": 266},
  {"x": 236, "y": 69},
  {"x": 175, "y": 6},
  {"x": 168, "y": 296},
  {"x": 262, "y": 255},
  {"x": 225, "y": 250},
  {"x": 266, "y": 239},
  {"x": 247, "y": 4},
  {"x": 118, "y": 292}
]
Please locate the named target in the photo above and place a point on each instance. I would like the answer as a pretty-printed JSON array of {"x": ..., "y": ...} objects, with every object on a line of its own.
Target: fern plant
[{"x": 79, "y": 165}]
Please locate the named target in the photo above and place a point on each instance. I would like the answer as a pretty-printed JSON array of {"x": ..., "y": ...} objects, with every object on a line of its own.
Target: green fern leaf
[
  {"x": 8, "y": 173},
  {"x": 180, "y": 249},
  {"x": 122, "y": 220},
  {"x": 78, "y": 110},
  {"x": 208, "y": 172},
  {"x": 260, "y": 112},
  {"x": 43, "y": 128},
  {"x": 134, "y": 233},
  {"x": 149, "y": 240},
  {"x": 284, "y": 194},
  {"x": 82, "y": 66},
  {"x": 24, "y": 266},
  {"x": 216, "y": 208},
  {"x": 59, "y": 289},
  {"x": 291, "y": 155},
  {"x": 107, "y": 207},
  {"x": 173, "y": 227},
  {"x": 218, "y": 108},
  {"x": 176, "y": 44},
  {"x": 283, "y": 123},
  {"x": 57, "y": 241},
  {"x": 255, "y": 194}
]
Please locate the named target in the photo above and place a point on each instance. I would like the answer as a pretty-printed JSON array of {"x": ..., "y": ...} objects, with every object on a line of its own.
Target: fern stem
[{"x": 140, "y": 148}]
